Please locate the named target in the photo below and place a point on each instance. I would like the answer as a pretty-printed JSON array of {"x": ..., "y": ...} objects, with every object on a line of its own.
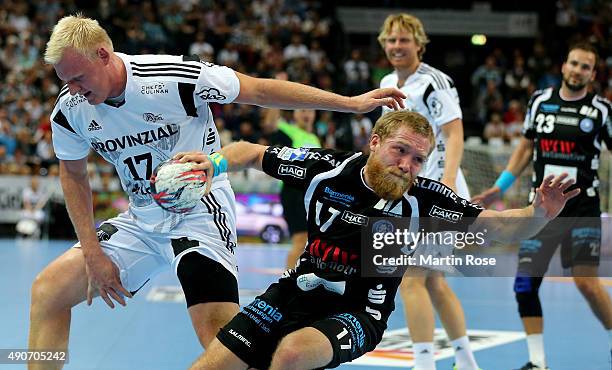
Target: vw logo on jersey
[
  {"x": 383, "y": 227},
  {"x": 586, "y": 125}
]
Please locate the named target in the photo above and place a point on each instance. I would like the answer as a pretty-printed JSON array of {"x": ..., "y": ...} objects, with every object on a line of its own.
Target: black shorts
[
  {"x": 579, "y": 238},
  {"x": 294, "y": 212},
  {"x": 255, "y": 332}
]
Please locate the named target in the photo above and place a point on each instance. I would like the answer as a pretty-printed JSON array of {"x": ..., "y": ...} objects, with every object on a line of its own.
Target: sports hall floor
[{"x": 154, "y": 331}]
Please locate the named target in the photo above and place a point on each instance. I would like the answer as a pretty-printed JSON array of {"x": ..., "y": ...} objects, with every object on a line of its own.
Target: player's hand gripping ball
[{"x": 177, "y": 187}]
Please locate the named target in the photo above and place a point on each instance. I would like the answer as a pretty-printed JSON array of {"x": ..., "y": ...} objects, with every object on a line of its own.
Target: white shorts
[{"x": 140, "y": 254}]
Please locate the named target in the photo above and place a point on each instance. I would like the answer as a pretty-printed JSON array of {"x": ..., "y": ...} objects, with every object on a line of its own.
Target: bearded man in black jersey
[
  {"x": 563, "y": 131},
  {"x": 326, "y": 312}
]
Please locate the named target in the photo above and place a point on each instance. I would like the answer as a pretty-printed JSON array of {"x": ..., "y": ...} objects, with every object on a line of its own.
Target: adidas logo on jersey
[{"x": 94, "y": 126}]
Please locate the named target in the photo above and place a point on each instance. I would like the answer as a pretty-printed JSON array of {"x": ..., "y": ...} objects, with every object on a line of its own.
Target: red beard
[{"x": 388, "y": 183}]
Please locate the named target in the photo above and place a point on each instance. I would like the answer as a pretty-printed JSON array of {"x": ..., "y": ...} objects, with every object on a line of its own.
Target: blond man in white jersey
[
  {"x": 432, "y": 94},
  {"x": 136, "y": 112}
]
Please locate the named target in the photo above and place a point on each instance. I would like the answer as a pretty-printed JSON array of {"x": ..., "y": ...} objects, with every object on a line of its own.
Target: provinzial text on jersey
[{"x": 141, "y": 138}]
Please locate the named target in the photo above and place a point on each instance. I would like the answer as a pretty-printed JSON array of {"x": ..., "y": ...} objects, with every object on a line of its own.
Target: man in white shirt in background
[{"x": 432, "y": 94}]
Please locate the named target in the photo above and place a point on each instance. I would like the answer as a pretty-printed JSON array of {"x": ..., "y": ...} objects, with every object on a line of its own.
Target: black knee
[
  {"x": 204, "y": 280},
  {"x": 526, "y": 293}
]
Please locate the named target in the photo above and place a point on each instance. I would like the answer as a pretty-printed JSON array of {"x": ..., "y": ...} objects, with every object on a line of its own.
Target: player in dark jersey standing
[
  {"x": 563, "y": 132},
  {"x": 325, "y": 312}
]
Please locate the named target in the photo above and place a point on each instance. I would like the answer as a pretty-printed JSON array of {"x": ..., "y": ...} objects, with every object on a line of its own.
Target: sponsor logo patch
[
  {"x": 94, "y": 126},
  {"x": 446, "y": 214},
  {"x": 586, "y": 124},
  {"x": 154, "y": 88},
  {"x": 338, "y": 196},
  {"x": 549, "y": 108},
  {"x": 291, "y": 170},
  {"x": 589, "y": 111},
  {"x": 293, "y": 154},
  {"x": 210, "y": 93},
  {"x": 354, "y": 218},
  {"x": 152, "y": 117},
  {"x": 436, "y": 107},
  {"x": 74, "y": 101}
]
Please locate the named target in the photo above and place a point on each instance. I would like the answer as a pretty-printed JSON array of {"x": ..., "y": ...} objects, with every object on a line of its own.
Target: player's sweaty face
[
  {"x": 83, "y": 76},
  {"x": 395, "y": 162},
  {"x": 579, "y": 69},
  {"x": 401, "y": 48}
]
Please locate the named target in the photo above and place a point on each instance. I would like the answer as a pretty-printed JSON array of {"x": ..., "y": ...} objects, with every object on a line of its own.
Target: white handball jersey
[
  {"x": 165, "y": 111},
  {"x": 431, "y": 93}
]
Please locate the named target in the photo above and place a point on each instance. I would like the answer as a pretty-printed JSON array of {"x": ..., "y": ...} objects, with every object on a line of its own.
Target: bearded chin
[
  {"x": 573, "y": 87},
  {"x": 384, "y": 183}
]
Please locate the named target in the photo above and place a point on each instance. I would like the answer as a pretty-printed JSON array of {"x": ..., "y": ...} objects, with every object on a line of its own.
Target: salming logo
[{"x": 240, "y": 338}]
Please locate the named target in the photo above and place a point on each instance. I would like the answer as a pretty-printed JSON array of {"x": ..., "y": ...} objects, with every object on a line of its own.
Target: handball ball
[{"x": 177, "y": 187}]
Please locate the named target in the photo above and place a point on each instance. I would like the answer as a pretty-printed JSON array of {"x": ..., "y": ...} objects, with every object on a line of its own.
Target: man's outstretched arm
[
  {"x": 271, "y": 93},
  {"x": 234, "y": 157},
  {"x": 517, "y": 224}
]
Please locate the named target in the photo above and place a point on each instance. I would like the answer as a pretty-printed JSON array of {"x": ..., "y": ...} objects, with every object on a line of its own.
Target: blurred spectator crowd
[{"x": 300, "y": 38}]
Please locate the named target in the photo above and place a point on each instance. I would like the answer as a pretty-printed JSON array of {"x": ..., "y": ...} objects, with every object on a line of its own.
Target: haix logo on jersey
[
  {"x": 152, "y": 117},
  {"x": 589, "y": 111},
  {"x": 210, "y": 93},
  {"x": 141, "y": 138},
  {"x": 94, "y": 126},
  {"x": 445, "y": 214},
  {"x": 154, "y": 88},
  {"x": 354, "y": 218},
  {"x": 293, "y": 154},
  {"x": 74, "y": 101},
  {"x": 569, "y": 109},
  {"x": 291, "y": 170}
]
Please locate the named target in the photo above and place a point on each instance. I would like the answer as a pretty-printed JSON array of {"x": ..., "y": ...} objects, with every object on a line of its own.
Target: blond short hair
[
  {"x": 388, "y": 125},
  {"x": 408, "y": 22},
  {"x": 84, "y": 35}
]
